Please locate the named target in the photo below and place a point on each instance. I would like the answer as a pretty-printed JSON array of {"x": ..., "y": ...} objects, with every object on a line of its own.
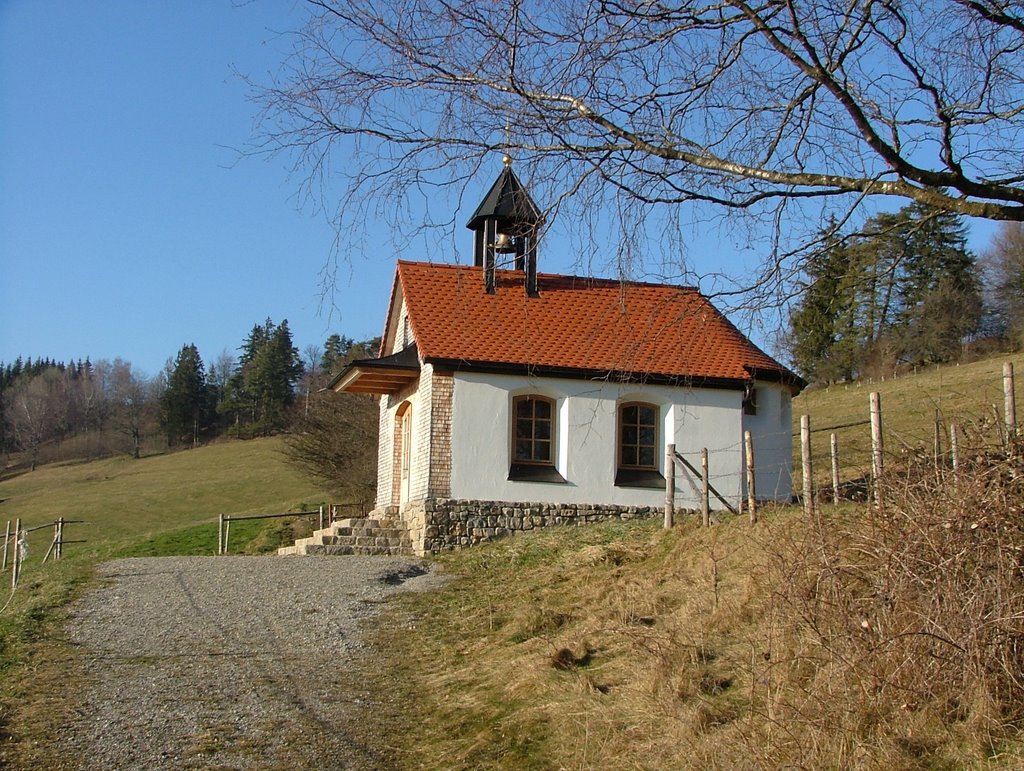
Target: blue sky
[{"x": 129, "y": 223}]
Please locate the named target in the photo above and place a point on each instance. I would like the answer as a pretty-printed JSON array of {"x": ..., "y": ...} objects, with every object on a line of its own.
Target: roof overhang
[
  {"x": 795, "y": 383},
  {"x": 386, "y": 375},
  {"x": 599, "y": 375},
  {"x": 679, "y": 380}
]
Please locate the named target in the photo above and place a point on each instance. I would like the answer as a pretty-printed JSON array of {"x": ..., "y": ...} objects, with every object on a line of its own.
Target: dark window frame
[
  {"x": 637, "y": 474},
  {"x": 530, "y": 467},
  {"x": 535, "y": 438}
]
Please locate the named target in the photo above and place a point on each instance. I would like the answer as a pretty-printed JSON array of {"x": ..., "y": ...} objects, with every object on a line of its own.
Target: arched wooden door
[{"x": 403, "y": 435}]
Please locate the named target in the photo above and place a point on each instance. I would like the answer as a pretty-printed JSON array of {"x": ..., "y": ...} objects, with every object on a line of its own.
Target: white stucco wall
[
  {"x": 586, "y": 439},
  {"x": 771, "y": 429}
]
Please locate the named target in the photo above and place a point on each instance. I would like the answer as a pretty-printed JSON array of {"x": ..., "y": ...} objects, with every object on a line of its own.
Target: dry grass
[
  {"x": 862, "y": 639},
  {"x": 965, "y": 394}
]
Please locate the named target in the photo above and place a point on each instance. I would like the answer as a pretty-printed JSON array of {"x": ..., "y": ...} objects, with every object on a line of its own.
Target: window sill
[
  {"x": 646, "y": 478},
  {"x": 529, "y": 472}
]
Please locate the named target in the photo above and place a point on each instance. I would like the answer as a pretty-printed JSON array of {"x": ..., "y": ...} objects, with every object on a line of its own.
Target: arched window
[
  {"x": 639, "y": 447},
  {"x": 534, "y": 447}
]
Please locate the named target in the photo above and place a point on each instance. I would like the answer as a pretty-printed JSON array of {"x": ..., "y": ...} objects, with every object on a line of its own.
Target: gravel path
[{"x": 230, "y": 662}]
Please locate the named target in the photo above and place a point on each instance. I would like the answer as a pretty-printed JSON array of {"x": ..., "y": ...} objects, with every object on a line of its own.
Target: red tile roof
[{"x": 619, "y": 328}]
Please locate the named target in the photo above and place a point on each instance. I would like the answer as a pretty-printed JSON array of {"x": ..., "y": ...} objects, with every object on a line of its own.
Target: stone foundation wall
[{"x": 442, "y": 524}]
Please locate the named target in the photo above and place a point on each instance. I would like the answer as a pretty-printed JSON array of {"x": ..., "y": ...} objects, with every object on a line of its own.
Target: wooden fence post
[
  {"x": 954, "y": 449},
  {"x": 877, "y": 449},
  {"x": 7, "y": 540},
  {"x": 834, "y": 451},
  {"x": 16, "y": 556},
  {"x": 220, "y": 534},
  {"x": 748, "y": 444},
  {"x": 670, "y": 485},
  {"x": 705, "y": 488},
  {"x": 321, "y": 518},
  {"x": 60, "y": 538},
  {"x": 227, "y": 532},
  {"x": 805, "y": 456},
  {"x": 1009, "y": 400}
]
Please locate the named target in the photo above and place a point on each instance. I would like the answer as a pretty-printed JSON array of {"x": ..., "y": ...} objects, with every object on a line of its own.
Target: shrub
[{"x": 898, "y": 634}]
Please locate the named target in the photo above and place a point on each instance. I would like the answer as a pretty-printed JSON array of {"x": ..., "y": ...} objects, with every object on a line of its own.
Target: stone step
[
  {"x": 333, "y": 550},
  {"x": 374, "y": 532},
  {"x": 348, "y": 540},
  {"x": 384, "y": 512},
  {"x": 368, "y": 535},
  {"x": 362, "y": 522}
]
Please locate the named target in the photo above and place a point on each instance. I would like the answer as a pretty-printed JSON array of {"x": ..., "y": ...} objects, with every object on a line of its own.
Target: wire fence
[
  {"x": 943, "y": 422},
  {"x": 922, "y": 422},
  {"x": 16, "y": 544}
]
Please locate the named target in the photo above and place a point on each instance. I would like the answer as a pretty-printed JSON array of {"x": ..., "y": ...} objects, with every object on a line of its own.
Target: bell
[{"x": 504, "y": 244}]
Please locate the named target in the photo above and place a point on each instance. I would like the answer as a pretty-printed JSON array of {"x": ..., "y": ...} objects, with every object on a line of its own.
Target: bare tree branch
[{"x": 789, "y": 112}]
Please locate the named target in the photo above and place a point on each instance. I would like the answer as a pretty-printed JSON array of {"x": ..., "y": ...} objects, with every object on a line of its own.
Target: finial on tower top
[{"x": 507, "y": 160}]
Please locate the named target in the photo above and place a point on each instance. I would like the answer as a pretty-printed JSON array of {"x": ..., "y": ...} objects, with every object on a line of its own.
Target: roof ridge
[{"x": 602, "y": 279}]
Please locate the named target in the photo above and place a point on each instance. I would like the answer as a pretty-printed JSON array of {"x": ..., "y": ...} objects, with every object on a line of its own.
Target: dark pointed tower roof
[{"x": 506, "y": 200}]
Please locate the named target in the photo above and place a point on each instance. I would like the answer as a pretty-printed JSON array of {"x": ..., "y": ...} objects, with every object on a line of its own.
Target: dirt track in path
[{"x": 230, "y": 662}]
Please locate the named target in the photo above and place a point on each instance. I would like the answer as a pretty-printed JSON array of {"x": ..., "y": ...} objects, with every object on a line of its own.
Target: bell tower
[{"x": 505, "y": 227}]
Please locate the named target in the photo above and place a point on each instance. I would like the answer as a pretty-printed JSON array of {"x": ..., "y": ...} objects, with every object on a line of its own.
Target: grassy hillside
[
  {"x": 124, "y": 501},
  {"x": 965, "y": 394},
  {"x": 630, "y": 647}
]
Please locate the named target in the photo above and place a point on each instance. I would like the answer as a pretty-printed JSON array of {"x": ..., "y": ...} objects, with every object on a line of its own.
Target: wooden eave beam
[{"x": 373, "y": 380}]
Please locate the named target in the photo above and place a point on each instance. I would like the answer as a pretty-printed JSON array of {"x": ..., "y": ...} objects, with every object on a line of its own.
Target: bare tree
[
  {"x": 133, "y": 401},
  {"x": 312, "y": 355},
  {"x": 785, "y": 112},
  {"x": 333, "y": 443},
  {"x": 1005, "y": 263},
  {"x": 221, "y": 370},
  {"x": 312, "y": 373},
  {"x": 37, "y": 408}
]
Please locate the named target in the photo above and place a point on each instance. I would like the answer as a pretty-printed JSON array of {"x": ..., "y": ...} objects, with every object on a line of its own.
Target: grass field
[{"x": 125, "y": 502}]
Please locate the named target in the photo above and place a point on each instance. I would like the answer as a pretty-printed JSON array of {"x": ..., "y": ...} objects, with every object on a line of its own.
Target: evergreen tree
[
  {"x": 254, "y": 343},
  {"x": 880, "y": 251},
  {"x": 272, "y": 377},
  {"x": 238, "y": 402},
  {"x": 336, "y": 348},
  {"x": 904, "y": 289},
  {"x": 825, "y": 343},
  {"x": 263, "y": 385},
  {"x": 940, "y": 293},
  {"x": 184, "y": 402}
]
